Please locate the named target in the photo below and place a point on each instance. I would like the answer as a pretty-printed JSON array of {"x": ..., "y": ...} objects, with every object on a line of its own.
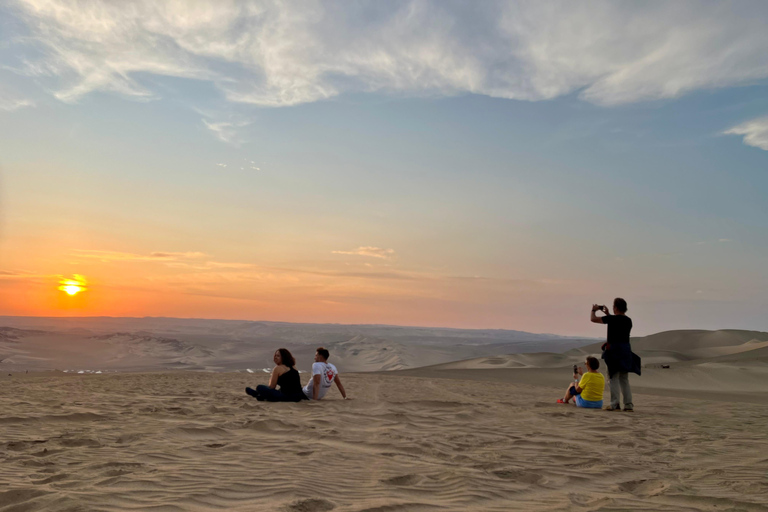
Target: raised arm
[
  {"x": 341, "y": 387},
  {"x": 597, "y": 319}
]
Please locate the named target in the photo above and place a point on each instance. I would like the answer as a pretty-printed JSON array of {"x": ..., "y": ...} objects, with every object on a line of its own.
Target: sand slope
[{"x": 194, "y": 441}]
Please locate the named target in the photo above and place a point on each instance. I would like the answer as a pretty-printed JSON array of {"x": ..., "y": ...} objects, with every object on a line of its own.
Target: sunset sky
[{"x": 478, "y": 164}]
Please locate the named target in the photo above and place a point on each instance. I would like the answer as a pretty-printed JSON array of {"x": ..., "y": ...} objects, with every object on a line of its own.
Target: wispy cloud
[
  {"x": 17, "y": 274},
  {"x": 277, "y": 53},
  {"x": 126, "y": 256},
  {"x": 373, "y": 252},
  {"x": 10, "y": 102},
  {"x": 755, "y": 132},
  {"x": 226, "y": 131}
]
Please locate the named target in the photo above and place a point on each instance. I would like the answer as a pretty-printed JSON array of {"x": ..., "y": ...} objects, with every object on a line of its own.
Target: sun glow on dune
[{"x": 73, "y": 286}]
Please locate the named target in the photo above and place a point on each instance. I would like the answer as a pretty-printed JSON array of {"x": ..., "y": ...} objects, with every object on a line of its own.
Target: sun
[
  {"x": 71, "y": 289},
  {"x": 77, "y": 284}
]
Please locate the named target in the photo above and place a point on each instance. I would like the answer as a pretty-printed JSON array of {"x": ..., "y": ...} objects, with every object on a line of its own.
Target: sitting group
[{"x": 285, "y": 383}]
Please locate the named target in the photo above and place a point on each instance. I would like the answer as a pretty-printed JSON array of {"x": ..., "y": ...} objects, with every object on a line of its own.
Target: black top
[
  {"x": 617, "y": 352},
  {"x": 290, "y": 383},
  {"x": 619, "y": 327}
]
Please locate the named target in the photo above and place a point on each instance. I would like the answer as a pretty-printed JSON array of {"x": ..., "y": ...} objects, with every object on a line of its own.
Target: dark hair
[
  {"x": 324, "y": 352},
  {"x": 286, "y": 357},
  {"x": 620, "y": 304},
  {"x": 593, "y": 363}
]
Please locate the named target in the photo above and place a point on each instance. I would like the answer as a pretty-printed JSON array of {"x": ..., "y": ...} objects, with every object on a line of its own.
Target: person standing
[{"x": 617, "y": 353}]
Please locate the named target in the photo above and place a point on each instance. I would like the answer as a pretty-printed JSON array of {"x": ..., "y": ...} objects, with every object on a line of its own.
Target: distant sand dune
[{"x": 131, "y": 344}]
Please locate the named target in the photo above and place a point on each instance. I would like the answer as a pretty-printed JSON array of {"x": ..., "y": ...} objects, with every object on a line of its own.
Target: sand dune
[
  {"x": 688, "y": 345},
  {"x": 193, "y": 441},
  {"x": 131, "y": 344}
]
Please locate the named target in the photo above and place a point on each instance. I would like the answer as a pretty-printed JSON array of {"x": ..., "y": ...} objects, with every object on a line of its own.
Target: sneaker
[
  {"x": 612, "y": 408},
  {"x": 628, "y": 409}
]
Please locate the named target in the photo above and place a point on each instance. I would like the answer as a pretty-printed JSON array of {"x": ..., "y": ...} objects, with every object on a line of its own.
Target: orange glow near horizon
[{"x": 73, "y": 286}]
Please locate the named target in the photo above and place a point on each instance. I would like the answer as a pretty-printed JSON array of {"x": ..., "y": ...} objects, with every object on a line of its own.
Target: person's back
[
  {"x": 592, "y": 384},
  {"x": 290, "y": 383},
  {"x": 323, "y": 375},
  {"x": 327, "y": 373}
]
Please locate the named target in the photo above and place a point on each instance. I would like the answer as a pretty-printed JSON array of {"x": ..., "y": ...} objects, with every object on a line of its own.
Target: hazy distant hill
[
  {"x": 686, "y": 347},
  {"x": 155, "y": 343}
]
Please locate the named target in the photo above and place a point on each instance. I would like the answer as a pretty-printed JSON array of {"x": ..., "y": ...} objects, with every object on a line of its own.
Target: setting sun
[
  {"x": 71, "y": 289},
  {"x": 73, "y": 286}
]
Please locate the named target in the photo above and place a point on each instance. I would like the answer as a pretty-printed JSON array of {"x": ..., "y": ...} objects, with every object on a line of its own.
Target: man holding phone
[{"x": 617, "y": 352}]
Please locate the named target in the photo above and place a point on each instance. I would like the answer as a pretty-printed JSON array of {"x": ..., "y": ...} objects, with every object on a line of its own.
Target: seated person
[
  {"x": 589, "y": 391},
  {"x": 323, "y": 375},
  {"x": 284, "y": 375}
]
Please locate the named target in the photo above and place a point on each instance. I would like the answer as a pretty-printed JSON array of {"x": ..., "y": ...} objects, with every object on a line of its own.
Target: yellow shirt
[{"x": 592, "y": 385}]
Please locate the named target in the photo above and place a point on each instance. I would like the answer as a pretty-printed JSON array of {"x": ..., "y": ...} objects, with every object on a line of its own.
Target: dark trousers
[{"x": 264, "y": 393}]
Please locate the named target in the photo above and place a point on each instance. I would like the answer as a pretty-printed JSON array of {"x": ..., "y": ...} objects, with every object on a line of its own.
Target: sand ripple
[{"x": 183, "y": 441}]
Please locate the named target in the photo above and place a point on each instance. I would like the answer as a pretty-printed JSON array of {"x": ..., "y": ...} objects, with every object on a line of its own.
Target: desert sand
[
  {"x": 194, "y": 441},
  {"x": 474, "y": 434}
]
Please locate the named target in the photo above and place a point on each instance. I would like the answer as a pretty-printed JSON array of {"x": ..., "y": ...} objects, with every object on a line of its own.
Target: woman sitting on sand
[
  {"x": 589, "y": 391},
  {"x": 284, "y": 375}
]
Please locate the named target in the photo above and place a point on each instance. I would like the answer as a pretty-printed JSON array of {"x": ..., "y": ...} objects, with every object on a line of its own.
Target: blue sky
[{"x": 416, "y": 163}]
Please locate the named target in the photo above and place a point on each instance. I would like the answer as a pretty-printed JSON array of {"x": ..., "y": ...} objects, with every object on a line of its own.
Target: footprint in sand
[
  {"x": 403, "y": 480},
  {"x": 82, "y": 442},
  {"x": 51, "y": 479},
  {"x": 645, "y": 488},
  {"x": 311, "y": 505},
  {"x": 525, "y": 477}
]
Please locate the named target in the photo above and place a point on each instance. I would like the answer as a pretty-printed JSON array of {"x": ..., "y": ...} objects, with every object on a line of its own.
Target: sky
[{"x": 458, "y": 164}]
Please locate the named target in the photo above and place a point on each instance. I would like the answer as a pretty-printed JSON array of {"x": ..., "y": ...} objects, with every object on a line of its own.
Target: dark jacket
[{"x": 620, "y": 358}]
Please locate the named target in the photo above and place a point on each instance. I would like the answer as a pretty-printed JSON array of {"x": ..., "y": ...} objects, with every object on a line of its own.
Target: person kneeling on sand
[
  {"x": 589, "y": 391},
  {"x": 323, "y": 375},
  {"x": 284, "y": 375}
]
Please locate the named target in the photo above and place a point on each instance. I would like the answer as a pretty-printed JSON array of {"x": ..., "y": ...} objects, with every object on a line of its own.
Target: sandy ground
[{"x": 194, "y": 441}]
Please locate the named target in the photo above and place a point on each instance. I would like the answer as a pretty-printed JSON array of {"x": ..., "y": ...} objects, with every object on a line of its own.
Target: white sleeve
[{"x": 317, "y": 369}]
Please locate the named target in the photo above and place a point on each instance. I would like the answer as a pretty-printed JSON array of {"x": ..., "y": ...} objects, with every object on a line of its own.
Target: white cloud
[
  {"x": 273, "y": 53},
  {"x": 755, "y": 132},
  {"x": 226, "y": 131},
  {"x": 373, "y": 252}
]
